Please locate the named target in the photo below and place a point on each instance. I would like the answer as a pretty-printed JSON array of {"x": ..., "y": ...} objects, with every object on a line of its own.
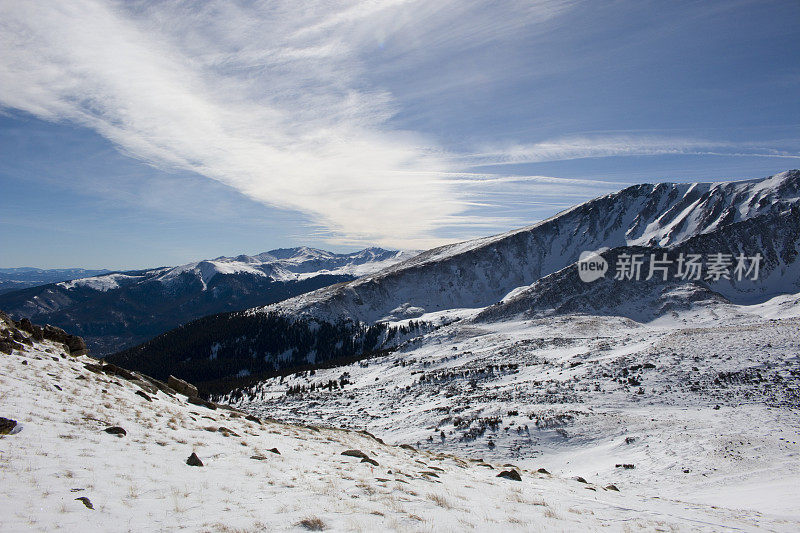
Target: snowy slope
[
  {"x": 481, "y": 272},
  {"x": 141, "y": 482},
  {"x": 702, "y": 403}
]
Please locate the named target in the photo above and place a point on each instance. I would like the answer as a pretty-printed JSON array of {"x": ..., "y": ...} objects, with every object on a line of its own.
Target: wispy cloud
[
  {"x": 280, "y": 100},
  {"x": 269, "y": 98},
  {"x": 583, "y": 147}
]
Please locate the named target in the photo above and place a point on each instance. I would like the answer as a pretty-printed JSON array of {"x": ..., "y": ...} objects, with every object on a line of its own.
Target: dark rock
[
  {"x": 579, "y": 479},
  {"x": 252, "y": 418},
  {"x": 425, "y": 473},
  {"x": 197, "y": 400},
  {"x": 543, "y": 471},
  {"x": 193, "y": 460},
  {"x": 145, "y": 386},
  {"x": 274, "y": 450},
  {"x": 143, "y": 395},
  {"x": 408, "y": 447},
  {"x": 183, "y": 387},
  {"x": 370, "y": 461},
  {"x": 86, "y": 501},
  {"x": 8, "y": 345},
  {"x": 25, "y": 325},
  {"x": 114, "y": 370},
  {"x": 258, "y": 457},
  {"x": 510, "y": 474},
  {"x": 97, "y": 369},
  {"x": 7, "y": 425},
  {"x": 630, "y": 440},
  {"x": 611, "y": 487},
  {"x": 38, "y": 333},
  {"x": 355, "y": 453},
  {"x": 227, "y": 432},
  {"x": 626, "y": 466},
  {"x": 57, "y": 387},
  {"x": 116, "y": 430}
]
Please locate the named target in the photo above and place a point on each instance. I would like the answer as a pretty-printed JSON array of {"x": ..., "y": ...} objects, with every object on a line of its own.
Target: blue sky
[{"x": 141, "y": 134}]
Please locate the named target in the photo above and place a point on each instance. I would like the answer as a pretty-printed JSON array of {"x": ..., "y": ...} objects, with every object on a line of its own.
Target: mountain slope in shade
[
  {"x": 115, "y": 310},
  {"x": 481, "y": 272}
]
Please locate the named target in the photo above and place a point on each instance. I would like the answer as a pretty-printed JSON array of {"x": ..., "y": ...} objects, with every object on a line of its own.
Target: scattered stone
[
  {"x": 370, "y": 461},
  {"x": 183, "y": 387},
  {"x": 116, "y": 430},
  {"x": 97, "y": 369},
  {"x": 25, "y": 363},
  {"x": 114, "y": 370},
  {"x": 258, "y": 457},
  {"x": 630, "y": 440},
  {"x": 143, "y": 395},
  {"x": 355, "y": 453},
  {"x": 543, "y": 471},
  {"x": 197, "y": 400},
  {"x": 611, "y": 487},
  {"x": 425, "y": 473},
  {"x": 7, "y": 426},
  {"x": 252, "y": 418},
  {"x": 408, "y": 447},
  {"x": 626, "y": 466},
  {"x": 510, "y": 474},
  {"x": 579, "y": 479},
  {"x": 145, "y": 386},
  {"x": 227, "y": 432},
  {"x": 57, "y": 387},
  {"x": 193, "y": 460},
  {"x": 274, "y": 450},
  {"x": 86, "y": 501}
]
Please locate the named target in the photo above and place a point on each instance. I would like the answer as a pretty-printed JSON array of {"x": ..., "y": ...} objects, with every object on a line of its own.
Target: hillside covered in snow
[{"x": 94, "y": 447}]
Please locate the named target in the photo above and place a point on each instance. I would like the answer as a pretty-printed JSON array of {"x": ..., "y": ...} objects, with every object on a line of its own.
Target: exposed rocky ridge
[{"x": 775, "y": 236}]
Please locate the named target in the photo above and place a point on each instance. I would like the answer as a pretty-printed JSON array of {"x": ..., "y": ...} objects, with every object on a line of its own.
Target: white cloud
[
  {"x": 277, "y": 100},
  {"x": 267, "y": 100},
  {"x": 583, "y": 147}
]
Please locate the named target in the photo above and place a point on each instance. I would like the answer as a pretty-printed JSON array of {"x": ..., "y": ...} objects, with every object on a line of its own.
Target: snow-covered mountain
[
  {"x": 117, "y": 309},
  {"x": 480, "y": 272},
  {"x": 14, "y": 279},
  {"x": 493, "y": 276}
]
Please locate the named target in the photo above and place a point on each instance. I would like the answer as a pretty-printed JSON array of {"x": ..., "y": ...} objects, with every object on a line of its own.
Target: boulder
[
  {"x": 143, "y": 395},
  {"x": 178, "y": 385},
  {"x": 7, "y": 425},
  {"x": 197, "y": 400},
  {"x": 116, "y": 430},
  {"x": 193, "y": 460},
  {"x": 510, "y": 474},
  {"x": 355, "y": 453}
]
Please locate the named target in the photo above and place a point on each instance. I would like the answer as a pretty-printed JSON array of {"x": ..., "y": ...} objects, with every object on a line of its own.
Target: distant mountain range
[
  {"x": 14, "y": 279},
  {"x": 117, "y": 309},
  {"x": 526, "y": 272}
]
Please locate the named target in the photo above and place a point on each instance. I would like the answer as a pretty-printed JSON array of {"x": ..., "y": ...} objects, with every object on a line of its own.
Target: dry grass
[
  {"x": 440, "y": 500},
  {"x": 312, "y": 523}
]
